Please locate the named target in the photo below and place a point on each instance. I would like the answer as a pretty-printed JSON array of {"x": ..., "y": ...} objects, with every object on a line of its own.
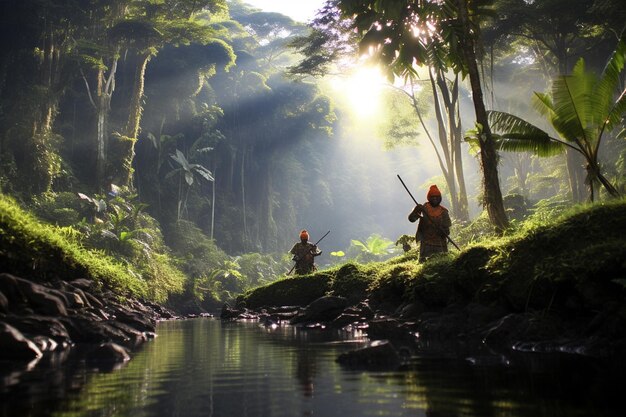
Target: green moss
[
  {"x": 351, "y": 281},
  {"x": 547, "y": 260},
  {"x": 36, "y": 250},
  {"x": 296, "y": 291}
]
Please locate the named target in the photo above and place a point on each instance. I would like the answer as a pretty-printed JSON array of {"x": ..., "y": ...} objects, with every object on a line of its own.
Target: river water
[{"x": 205, "y": 368}]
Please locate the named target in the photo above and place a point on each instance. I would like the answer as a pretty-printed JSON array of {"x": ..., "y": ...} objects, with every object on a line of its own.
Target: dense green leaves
[
  {"x": 581, "y": 107},
  {"x": 518, "y": 135}
]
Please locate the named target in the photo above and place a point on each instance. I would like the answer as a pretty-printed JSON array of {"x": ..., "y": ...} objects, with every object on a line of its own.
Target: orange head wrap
[
  {"x": 432, "y": 191},
  {"x": 304, "y": 235}
]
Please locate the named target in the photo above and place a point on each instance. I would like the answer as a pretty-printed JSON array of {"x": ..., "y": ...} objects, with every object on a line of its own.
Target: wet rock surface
[
  {"x": 490, "y": 332},
  {"x": 40, "y": 321}
]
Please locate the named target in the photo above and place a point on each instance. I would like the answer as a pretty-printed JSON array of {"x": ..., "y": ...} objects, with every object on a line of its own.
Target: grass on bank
[
  {"x": 576, "y": 257},
  {"x": 39, "y": 251}
]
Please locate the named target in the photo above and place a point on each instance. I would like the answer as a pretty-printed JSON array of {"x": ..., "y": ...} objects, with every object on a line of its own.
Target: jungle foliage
[
  {"x": 171, "y": 150},
  {"x": 571, "y": 261}
]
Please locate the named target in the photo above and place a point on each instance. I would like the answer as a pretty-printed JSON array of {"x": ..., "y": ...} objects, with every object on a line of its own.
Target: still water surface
[{"x": 205, "y": 368}]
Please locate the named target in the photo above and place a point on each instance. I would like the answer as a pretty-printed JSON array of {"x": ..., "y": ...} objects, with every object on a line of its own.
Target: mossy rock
[
  {"x": 351, "y": 282},
  {"x": 571, "y": 265},
  {"x": 296, "y": 291},
  {"x": 435, "y": 291},
  {"x": 524, "y": 294},
  {"x": 393, "y": 285}
]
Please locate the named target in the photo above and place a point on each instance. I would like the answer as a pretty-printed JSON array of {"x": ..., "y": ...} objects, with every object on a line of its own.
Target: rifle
[
  {"x": 427, "y": 216},
  {"x": 315, "y": 244}
]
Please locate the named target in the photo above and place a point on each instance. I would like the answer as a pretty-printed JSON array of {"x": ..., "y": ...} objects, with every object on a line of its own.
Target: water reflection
[{"x": 207, "y": 368}]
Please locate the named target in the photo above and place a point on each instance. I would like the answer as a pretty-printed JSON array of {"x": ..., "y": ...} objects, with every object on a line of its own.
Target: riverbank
[
  {"x": 56, "y": 295},
  {"x": 42, "y": 318},
  {"x": 556, "y": 287}
]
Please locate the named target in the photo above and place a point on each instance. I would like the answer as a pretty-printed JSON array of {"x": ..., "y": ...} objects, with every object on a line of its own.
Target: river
[{"x": 205, "y": 368}]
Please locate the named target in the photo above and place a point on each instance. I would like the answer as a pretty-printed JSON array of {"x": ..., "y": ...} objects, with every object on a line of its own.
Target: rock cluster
[
  {"x": 37, "y": 319},
  {"x": 470, "y": 330}
]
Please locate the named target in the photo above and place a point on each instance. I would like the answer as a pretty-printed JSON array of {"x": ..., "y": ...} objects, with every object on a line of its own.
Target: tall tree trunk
[
  {"x": 460, "y": 175},
  {"x": 451, "y": 103},
  {"x": 575, "y": 169},
  {"x": 243, "y": 197},
  {"x": 122, "y": 165},
  {"x": 135, "y": 108},
  {"x": 213, "y": 185},
  {"x": 102, "y": 111},
  {"x": 444, "y": 135},
  {"x": 105, "y": 86},
  {"x": 104, "y": 93},
  {"x": 492, "y": 195},
  {"x": 39, "y": 164}
]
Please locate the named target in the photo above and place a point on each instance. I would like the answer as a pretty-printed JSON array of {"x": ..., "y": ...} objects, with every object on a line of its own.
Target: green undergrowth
[
  {"x": 573, "y": 259},
  {"x": 35, "y": 250}
]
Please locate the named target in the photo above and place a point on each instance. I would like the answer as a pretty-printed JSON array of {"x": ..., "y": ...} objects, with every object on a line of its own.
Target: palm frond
[
  {"x": 615, "y": 116},
  {"x": 542, "y": 103},
  {"x": 518, "y": 142},
  {"x": 573, "y": 110},
  {"x": 610, "y": 78},
  {"x": 514, "y": 134}
]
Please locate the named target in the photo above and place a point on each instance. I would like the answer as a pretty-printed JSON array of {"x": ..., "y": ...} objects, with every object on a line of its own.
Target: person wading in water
[
  {"x": 304, "y": 254},
  {"x": 434, "y": 224}
]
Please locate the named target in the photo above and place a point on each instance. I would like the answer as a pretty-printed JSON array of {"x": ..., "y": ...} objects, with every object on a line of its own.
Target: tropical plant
[
  {"x": 375, "y": 247},
  {"x": 189, "y": 172},
  {"x": 406, "y": 241},
  {"x": 581, "y": 107},
  {"x": 260, "y": 269},
  {"x": 220, "y": 285},
  {"x": 95, "y": 205}
]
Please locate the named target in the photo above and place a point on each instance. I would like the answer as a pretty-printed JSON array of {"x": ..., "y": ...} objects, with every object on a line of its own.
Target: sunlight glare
[{"x": 362, "y": 91}]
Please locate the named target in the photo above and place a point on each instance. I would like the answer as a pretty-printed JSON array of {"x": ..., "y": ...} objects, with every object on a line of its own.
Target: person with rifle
[
  {"x": 304, "y": 253},
  {"x": 434, "y": 224}
]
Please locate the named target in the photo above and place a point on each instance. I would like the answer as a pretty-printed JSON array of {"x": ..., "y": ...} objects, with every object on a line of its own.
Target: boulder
[
  {"x": 380, "y": 354},
  {"x": 345, "y": 319},
  {"x": 136, "y": 320},
  {"x": 93, "y": 300},
  {"x": 325, "y": 308},
  {"x": 229, "y": 313},
  {"x": 112, "y": 351},
  {"x": 82, "y": 283},
  {"x": 386, "y": 328},
  {"x": 108, "y": 356},
  {"x": 14, "y": 346},
  {"x": 75, "y": 299},
  {"x": 135, "y": 337},
  {"x": 41, "y": 326},
  {"x": 410, "y": 310},
  {"x": 501, "y": 334},
  {"x": 362, "y": 309},
  {"x": 45, "y": 343},
  {"x": 4, "y": 303},
  {"x": 82, "y": 330},
  {"x": 43, "y": 300},
  {"x": 10, "y": 289}
]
